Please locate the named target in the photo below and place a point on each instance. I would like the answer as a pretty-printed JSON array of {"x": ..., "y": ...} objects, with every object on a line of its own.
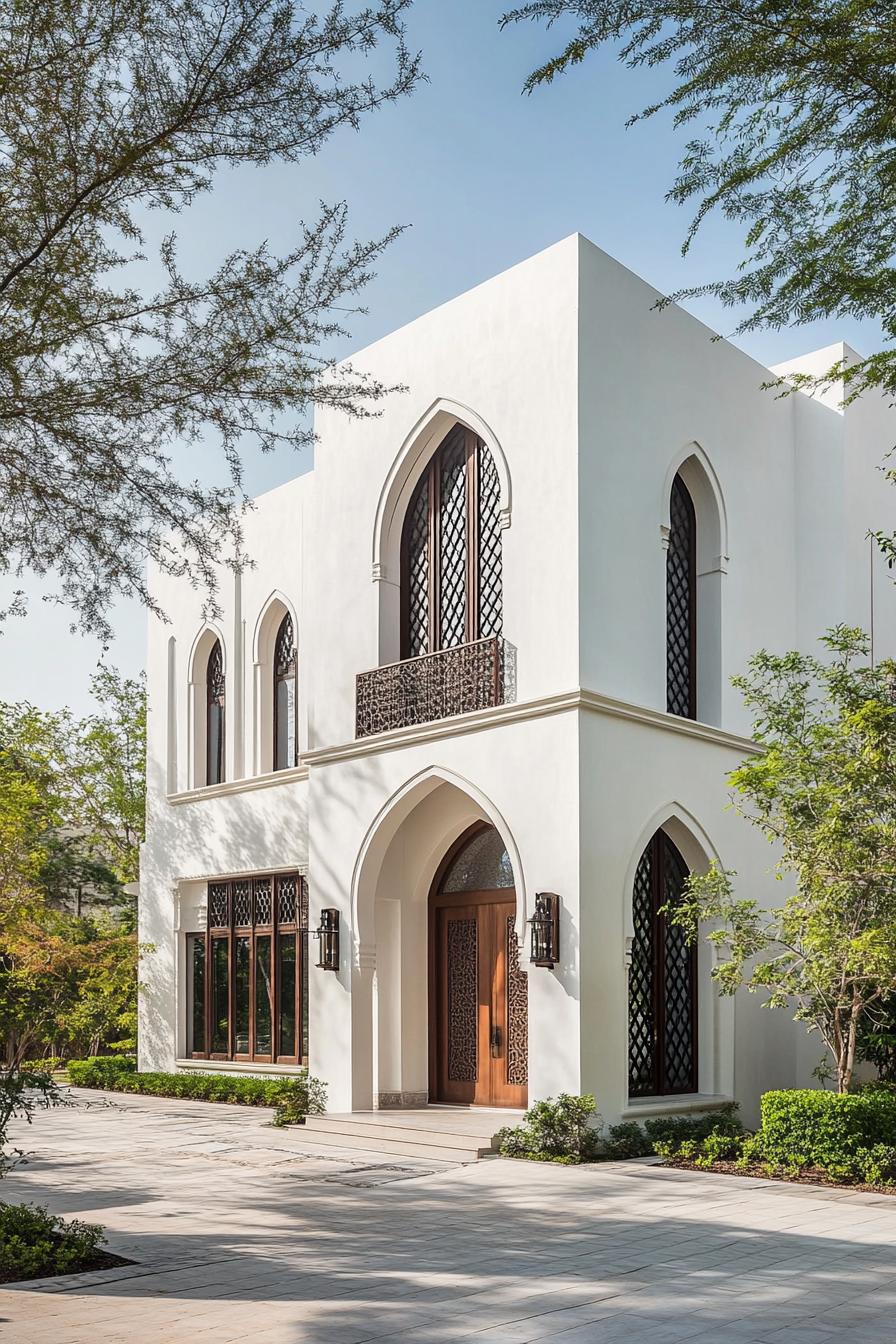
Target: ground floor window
[
  {"x": 247, "y": 972},
  {"x": 662, "y": 999}
]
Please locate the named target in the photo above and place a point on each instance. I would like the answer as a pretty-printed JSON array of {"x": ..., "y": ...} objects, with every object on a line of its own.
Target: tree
[
  {"x": 822, "y": 789},
  {"x": 108, "y": 111},
  {"x": 71, "y": 822},
  {"x": 795, "y": 107}
]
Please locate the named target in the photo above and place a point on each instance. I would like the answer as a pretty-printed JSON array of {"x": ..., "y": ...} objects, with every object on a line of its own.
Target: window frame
[
  {"x": 216, "y": 699},
  {"x": 659, "y": 924},
  {"x": 430, "y": 481},
  {"x": 690, "y": 562},
  {"x": 290, "y": 674},
  {"x": 276, "y": 931}
]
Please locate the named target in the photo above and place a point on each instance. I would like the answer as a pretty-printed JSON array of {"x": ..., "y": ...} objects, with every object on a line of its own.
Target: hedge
[
  {"x": 35, "y": 1243},
  {"x": 293, "y": 1098},
  {"x": 813, "y": 1128}
]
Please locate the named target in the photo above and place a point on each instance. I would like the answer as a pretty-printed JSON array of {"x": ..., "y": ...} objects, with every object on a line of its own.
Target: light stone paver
[{"x": 241, "y": 1231}]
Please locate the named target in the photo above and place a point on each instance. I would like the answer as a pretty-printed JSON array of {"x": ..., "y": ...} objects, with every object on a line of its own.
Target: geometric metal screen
[
  {"x": 451, "y": 581},
  {"x": 662, "y": 993},
  {"x": 491, "y": 594},
  {"x": 681, "y": 596}
]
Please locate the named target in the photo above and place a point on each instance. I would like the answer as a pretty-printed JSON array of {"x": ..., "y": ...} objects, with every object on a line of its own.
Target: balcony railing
[{"x": 431, "y": 687}]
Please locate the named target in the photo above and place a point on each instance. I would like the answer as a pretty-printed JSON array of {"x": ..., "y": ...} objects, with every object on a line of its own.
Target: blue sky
[{"x": 484, "y": 177}]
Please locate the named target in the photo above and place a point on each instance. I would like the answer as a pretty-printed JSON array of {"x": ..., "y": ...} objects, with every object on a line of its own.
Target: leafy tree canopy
[
  {"x": 794, "y": 102},
  {"x": 822, "y": 789},
  {"x": 107, "y": 111}
]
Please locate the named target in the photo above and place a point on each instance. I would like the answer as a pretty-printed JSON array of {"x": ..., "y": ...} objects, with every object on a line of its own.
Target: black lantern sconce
[
  {"x": 328, "y": 940},
  {"x": 545, "y": 923}
]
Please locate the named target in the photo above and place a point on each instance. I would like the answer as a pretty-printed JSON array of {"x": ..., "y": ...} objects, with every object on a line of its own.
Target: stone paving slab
[{"x": 241, "y": 1231}]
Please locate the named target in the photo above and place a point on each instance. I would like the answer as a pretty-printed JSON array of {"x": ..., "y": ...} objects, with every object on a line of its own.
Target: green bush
[
  {"x": 668, "y": 1132},
  {"x": 293, "y": 1097},
  {"x": 555, "y": 1130},
  {"x": 625, "y": 1141},
  {"x": 100, "y": 1070},
  {"x": 51, "y": 1064},
  {"x": 34, "y": 1243},
  {"x": 812, "y": 1128}
]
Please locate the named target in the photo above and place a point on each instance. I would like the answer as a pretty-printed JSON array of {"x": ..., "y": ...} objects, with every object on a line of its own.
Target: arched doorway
[{"x": 478, "y": 993}]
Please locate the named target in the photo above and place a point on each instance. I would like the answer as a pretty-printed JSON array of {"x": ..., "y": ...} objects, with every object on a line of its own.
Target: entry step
[{"x": 448, "y": 1134}]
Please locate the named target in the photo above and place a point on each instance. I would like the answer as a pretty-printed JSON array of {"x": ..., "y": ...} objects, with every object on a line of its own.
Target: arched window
[
  {"x": 681, "y": 604},
  {"x": 451, "y": 587},
  {"x": 284, "y": 668},
  {"x": 214, "y": 716},
  {"x": 662, "y": 994}
]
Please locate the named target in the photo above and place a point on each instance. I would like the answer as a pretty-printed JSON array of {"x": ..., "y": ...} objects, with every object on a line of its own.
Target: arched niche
[{"x": 197, "y": 703}]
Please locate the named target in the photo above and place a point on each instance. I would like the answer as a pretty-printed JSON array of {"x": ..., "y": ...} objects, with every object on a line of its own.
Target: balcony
[{"x": 432, "y": 687}]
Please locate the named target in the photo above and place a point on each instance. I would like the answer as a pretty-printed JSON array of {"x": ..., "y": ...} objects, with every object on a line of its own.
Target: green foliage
[
  {"x": 556, "y": 1130},
  {"x": 71, "y": 822},
  {"x": 669, "y": 1131},
  {"x": 35, "y": 1243},
  {"x": 293, "y": 1097},
  {"x": 625, "y": 1141},
  {"x": 876, "y": 1038},
  {"x": 818, "y": 1129},
  {"x": 821, "y": 790},
  {"x": 103, "y": 365},
  {"x": 794, "y": 106},
  {"x": 850, "y": 1138}
]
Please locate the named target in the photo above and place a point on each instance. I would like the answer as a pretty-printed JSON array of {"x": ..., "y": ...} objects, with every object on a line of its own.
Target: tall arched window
[
  {"x": 214, "y": 716},
  {"x": 662, "y": 993},
  {"x": 681, "y": 604},
  {"x": 451, "y": 585},
  {"x": 285, "y": 735}
]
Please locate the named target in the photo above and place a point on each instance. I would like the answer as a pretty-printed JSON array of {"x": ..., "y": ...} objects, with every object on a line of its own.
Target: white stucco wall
[{"x": 589, "y": 401}]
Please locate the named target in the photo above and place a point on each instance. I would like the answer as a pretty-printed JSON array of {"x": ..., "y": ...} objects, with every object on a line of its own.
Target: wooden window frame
[
  {"x": 473, "y": 447},
  {"x": 275, "y": 931}
]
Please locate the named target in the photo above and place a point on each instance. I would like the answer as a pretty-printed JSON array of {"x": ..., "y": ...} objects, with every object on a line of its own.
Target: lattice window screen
[
  {"x": 452, "y": 598},
  {"x": 491, "y": 595},
  {"x": 417, "y": 571},
  {"x": 680, "y": 601}
]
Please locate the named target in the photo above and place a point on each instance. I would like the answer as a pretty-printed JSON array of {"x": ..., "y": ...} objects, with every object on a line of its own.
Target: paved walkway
[{"x": 243, "y": 1232}]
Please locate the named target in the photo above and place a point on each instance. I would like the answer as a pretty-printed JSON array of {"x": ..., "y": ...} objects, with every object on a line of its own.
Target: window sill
[
  {"x": 680, "y": 1104},
  {"x": 245, "y": 785},
  {"x": 237, "y": 1066}
]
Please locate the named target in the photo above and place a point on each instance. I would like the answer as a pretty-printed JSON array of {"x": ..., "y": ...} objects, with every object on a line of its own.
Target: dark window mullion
[
  {"x": 472, "y": 612},
  {"x": 435, "y": 565}
]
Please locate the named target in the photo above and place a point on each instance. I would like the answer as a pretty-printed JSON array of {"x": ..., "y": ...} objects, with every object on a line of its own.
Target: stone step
[
  {"x": 454, "y": 1135},
  {"x": 394, "y": 1147}
]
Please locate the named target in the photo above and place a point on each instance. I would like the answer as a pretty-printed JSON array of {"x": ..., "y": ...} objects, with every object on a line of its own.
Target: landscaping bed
[
  {"x": 36, "y": 1244},
  {"x": 292, "y": 1098},
  {"x": 763, "y": 1172}
]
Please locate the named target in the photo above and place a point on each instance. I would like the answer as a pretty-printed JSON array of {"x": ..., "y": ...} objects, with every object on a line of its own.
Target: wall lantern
[
  {"x": 328, "y": 935},
  {"x": 545, "y": 944}
]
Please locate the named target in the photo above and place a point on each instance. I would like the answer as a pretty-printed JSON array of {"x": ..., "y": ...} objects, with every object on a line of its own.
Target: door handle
[{"x": 495, "y": 1042}]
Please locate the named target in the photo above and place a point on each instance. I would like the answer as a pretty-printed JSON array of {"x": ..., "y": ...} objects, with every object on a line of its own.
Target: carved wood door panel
[{"x": 479, "y": 1033}]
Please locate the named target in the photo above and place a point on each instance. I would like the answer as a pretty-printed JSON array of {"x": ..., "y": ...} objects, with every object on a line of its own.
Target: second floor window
[
  {"x": 681, "y": 604},
  {"x": 451, "y": 581},
  {"x": 285, "y": 660},
  {"x": 214, "y": 716}
]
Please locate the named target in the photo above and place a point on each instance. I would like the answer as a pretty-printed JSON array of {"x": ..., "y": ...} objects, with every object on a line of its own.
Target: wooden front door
[{"x": 478, "y": 1001}]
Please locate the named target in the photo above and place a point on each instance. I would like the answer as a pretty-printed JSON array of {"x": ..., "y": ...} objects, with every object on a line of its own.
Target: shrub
[
  {"x": 100, "y": 1070},
  {"x": 670, "y": 1131},
  {"x": 812, "y": 1128},
  {"x": 555, "y": 1130},
  {"x": 625, "y": 1141},
  {"x": 293, "y": 1097},
  {"x": 33, "y": 1243},
  {"x": 51, "y": 1064}
]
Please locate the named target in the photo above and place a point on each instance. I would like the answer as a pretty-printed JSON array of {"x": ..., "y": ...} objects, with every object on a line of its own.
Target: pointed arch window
[
  {"x": 662, "y": 994},
  {"x": 451, "y": 587},
  {"x": 681, "y": 604},
  {"x": 285, "y": 697},
  {"x": 214, "y": 716}
]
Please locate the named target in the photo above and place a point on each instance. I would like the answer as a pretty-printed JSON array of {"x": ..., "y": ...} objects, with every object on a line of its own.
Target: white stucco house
[{"x": 480, "y": 672}]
